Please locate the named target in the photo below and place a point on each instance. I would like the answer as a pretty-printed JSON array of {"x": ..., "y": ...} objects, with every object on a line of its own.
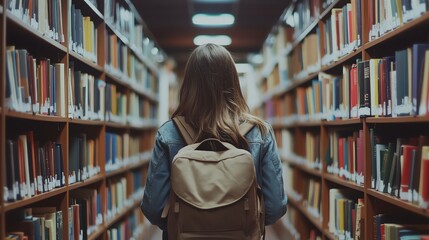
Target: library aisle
[{"x": 85, "y": 84}]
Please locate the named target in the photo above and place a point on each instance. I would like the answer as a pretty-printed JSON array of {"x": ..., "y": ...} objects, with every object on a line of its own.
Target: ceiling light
[
  {"x": 213, "y": 20},
  {"x": 216, "y": 39}
]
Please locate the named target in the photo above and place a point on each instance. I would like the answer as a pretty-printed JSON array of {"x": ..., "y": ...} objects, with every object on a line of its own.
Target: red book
[
  {"x": 382, "y": 232},
  {"x": 425, "y": 180},
  {"x": 350, "y": 155},
  {"x": 354, "y": 105},
  {"x": 407, "y": 151}
]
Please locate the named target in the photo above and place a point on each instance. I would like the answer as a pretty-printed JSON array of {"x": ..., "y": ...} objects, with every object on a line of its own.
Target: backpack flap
[{"x": 209, "y": 179}]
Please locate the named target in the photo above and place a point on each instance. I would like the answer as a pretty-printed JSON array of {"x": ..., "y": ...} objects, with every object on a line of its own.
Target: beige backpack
[{"x": 214, "y": 193}]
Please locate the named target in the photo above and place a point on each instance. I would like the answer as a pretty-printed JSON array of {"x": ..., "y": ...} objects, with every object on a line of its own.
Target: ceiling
[{"x": 170, "y": 23}]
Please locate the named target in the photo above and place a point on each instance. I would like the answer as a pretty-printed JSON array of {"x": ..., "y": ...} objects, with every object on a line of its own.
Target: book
[
  {"x": 406, "y": 170},
  {"x": 418, "y": 65}
]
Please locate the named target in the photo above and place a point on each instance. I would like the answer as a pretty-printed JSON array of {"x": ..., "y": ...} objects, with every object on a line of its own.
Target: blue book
[{"x": 418, "y": 65}]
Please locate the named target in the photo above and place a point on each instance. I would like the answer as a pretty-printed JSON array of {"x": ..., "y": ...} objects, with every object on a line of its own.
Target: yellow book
[{"x": 340, "y": 215}]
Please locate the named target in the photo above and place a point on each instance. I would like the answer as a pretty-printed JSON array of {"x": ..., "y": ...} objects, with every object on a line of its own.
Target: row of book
[
  {"x": 305, "y": 13},
  {"x": 85, "y": 213},
  {"x": 312, "y": 197},
  {"x": 346, "y": 214},
  {"x": 343, "y": 31},
  {"x": 34, "y": 85},
  {"x": 386, "y": 15},
  {"x": 305, "y": 58},
  {"x": 400, "y": 167},
  {"x": 119, "y": 198},
  {"x": 123, "y": 150},
  {"x": 44, "y": 16},
  {"x": 38, "y": 87},
  {"x": 389, "y": 226},
  {"x": 309, "y": 157},
  {"x": 122, "y": 63},
  {"x": 86, "y": 208},
  {"x": 37, "y": 223},
  {"x": 33, "y": 167},
  {"x": 83, "y": 37},
  {"x": 141, "y": 111},
  {"x": 392, "y": 86},
  {"x": 131, "y": 228},
  {"x": 124, "y": 20},
  {"x": 83, "y": 157},
  {"x": 344, "y": 155},
  {"x": 86, "y": 95},
  {"x": 389, "y": 86}
]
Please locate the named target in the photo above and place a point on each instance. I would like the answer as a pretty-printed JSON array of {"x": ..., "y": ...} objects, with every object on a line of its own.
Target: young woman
[{"x": 212, "y": 103}]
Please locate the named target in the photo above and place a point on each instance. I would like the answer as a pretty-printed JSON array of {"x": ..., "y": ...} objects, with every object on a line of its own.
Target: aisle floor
[{"x": 153, "y": 233}]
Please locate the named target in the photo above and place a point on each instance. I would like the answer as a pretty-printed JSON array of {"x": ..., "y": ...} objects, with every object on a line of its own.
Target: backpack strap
[
  {"x": 185, "y": 129},
  {"x": 244, "y": 128}
]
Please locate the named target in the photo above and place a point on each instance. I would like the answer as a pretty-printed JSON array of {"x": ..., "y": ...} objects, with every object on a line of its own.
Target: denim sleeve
[
  {"x": 272, "y": 181},
  {"x": 157, "y": 186}
]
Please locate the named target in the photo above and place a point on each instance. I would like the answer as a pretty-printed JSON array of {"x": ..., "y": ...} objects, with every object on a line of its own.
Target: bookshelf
[
  {"x": 81, "y": 111},
  {"x": 329, "y": 133}
]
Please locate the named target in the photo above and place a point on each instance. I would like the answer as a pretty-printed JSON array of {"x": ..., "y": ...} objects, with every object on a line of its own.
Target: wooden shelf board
[
  {"x": 144, "y": 59},
  {"x": 299, "y": 205},
  {"x": 328, "y": 234},
  {"x": 85, "y": 61},
  {"x": 100, "y": 230},
  {"x": 424, "y": 19},
  {"x": 115, "y": 125},
  {"x": 303, "y": 167},
  {"x": 304, "y": 33},
  {"x": 327, "y": 11},
  {"x": 30, "y": 116},
  {"x": 121, "y": 36},
  {"x": 116, "y": 79},
  {"x": 343, "y": 182},
  {"x": 94, "y": 9},
  {"x": 400, "y": 203},
  {"x": 146, "y": 94},
  {"x": 298, "y": 81},
  {"x": 126, "y": 168},
  {"x": 27, "y": 201},
  {"x": 309, "y": 123},
  {"x": 340, "y": 62},
  {"x": 398, "y": 119},
  {"x": 86, "y": 122},
  {"x": 351, "y": 121},
  {"x": 16, "y": 21},
  {"x": 97, "y": 178}
]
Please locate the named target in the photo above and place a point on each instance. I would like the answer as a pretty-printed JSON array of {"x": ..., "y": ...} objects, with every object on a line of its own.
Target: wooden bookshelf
[
  {"x": 63, "y": 129},
  {"x": 291, "y": 135}
]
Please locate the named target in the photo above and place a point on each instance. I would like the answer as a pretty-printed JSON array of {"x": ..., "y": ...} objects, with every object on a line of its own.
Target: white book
[{"x": 23, "y": 139}]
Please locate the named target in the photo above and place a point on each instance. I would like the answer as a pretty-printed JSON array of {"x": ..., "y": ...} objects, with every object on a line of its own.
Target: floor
[{"x": 153, "y": 233}]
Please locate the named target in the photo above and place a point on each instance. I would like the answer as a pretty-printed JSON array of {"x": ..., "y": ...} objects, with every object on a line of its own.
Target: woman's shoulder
[
  {"x": 258, "y": 135},
  {"x": 169, "y": 133}
]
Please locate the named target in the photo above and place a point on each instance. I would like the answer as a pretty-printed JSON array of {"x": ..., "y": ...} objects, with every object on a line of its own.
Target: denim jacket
[{"x": 169, "y": 142}]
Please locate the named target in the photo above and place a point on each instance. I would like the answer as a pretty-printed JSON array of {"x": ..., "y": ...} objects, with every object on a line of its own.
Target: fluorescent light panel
[
  {"x": 214, "y": 20},
  {"x": 216, "y": 39}
]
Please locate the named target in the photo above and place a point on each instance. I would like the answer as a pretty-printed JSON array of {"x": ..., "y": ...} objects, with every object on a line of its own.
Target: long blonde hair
[{"x": 210, "y": 96}]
